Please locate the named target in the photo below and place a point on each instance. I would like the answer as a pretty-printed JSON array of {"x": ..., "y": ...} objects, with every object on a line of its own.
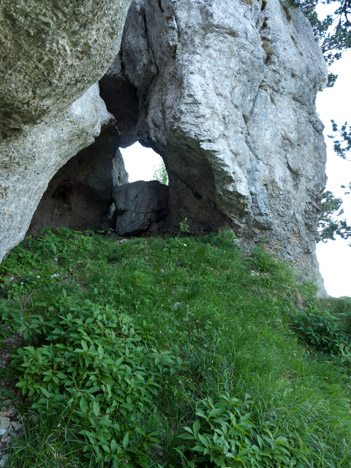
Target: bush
[
  {"x": 226, "y": 435},
  {"x": 321, "y": 329},
  {"x": 104, "y": 374}
]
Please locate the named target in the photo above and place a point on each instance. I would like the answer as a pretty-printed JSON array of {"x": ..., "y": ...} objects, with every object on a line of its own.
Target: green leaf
[
  {"x": 203, "y": 440},
  {"x": 84, "y": 345},
  {"x": 196, "y": 427},
  {"x": 45, "y": 392},
  {"x": 216, "y": 412},
  {"x": 186, "y": 436},
  {"x": 83, "y": 405},
  {"x": 125, "y": 441},
  {"x": 93, "y": 389},
  {"x": 113, "y": 445},
  {"x": 96, "y": 408}
]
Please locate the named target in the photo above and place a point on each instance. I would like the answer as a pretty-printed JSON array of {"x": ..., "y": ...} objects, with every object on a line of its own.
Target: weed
[
  {"x": 225, "y": 434},
  {"x": 184, "y": 226}
]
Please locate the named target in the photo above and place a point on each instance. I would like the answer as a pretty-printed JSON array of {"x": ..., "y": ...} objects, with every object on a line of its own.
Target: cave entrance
[{"x": 92, "y": 190}]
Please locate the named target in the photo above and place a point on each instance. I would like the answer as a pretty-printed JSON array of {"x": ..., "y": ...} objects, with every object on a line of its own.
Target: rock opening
[
  {"x": 143, "y": 164},
  {"x": 79, "y": 196},
  {"x": 93, "y": 190}
]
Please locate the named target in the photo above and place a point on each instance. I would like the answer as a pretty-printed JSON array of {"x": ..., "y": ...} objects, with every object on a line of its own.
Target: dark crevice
[{"x": 160, "y": 6}]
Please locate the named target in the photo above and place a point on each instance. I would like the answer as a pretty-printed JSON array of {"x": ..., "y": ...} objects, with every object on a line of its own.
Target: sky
[
  {"x": 140, "y": 162},
  {"x": 333, "y": 103}
]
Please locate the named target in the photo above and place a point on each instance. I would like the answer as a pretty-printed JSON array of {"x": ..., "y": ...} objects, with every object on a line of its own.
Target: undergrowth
[{"x": 172, "y": 352}]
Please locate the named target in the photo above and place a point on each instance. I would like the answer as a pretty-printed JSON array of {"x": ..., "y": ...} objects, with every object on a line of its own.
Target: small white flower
[
  {"x": 21, "y": 282},
  {"x": 38, "y": 276},
  {"x": 185, "y": 245},
  {"x": 55, "y": 275}
]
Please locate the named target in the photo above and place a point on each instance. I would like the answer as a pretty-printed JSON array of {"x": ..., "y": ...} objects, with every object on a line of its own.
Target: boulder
[
  {"x": 226, "y": 92},
  {"x": 138, "y": 205}
]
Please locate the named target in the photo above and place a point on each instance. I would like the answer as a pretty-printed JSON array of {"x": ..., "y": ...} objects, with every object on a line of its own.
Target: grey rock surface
[
  {"x": 30, "y": 160},
  {"x": 51, "y": 52},
  {"x": 138, "y": 205},
  {"x": 80, "y": 193},
  {"x": 226, "y": 93}
]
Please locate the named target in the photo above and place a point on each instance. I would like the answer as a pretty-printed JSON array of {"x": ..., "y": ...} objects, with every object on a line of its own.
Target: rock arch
[{"x": 225, "y": 91}]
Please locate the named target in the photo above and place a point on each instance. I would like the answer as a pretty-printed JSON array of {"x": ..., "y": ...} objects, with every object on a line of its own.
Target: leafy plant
[
  {"x": 226, "y": 435},
  {"x": 161, "y": 173},
  {"x": 184, "y": 226},
  {"x": 104, "y": 373},
  {"x": 321, "y": 329}
]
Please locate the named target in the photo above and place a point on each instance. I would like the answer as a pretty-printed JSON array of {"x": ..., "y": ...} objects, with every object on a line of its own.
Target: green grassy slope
[{"x": 173, "y": 352}]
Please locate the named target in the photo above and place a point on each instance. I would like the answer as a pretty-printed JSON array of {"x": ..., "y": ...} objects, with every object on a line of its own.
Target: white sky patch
[
  {"x": 335, "y": 103},
  {"x": 140, "y": 162}
]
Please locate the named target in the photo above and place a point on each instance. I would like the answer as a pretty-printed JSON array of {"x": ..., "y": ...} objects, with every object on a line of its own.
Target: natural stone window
[
  {"x": 141, "y": 163},
  {"x": 92, "y": 190},
  {"x": 235, "y": 123},
  {"x": 79, "y": 196}
]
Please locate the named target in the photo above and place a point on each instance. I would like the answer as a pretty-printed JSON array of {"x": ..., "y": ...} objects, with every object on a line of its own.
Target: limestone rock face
[
  {"x": 51, "y": 54},
  {"x": 53, "y": 51},
  {"x": 79, "y": 196},
  {"x": 29, "y": 161},
  {"x": 226, "y": 93},
  {"x": 138, "y": 205}
]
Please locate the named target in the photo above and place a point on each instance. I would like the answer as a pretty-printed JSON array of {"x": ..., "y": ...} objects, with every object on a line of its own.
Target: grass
[{"x": 191, "y": 356}]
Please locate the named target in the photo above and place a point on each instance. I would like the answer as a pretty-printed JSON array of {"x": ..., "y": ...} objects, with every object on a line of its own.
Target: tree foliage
[
  {"x": 342, "y": 140},
  {"x": 161, "y": 173},
  {"x": 333, "y": 31},
  {"x": 329, "y": 226}
]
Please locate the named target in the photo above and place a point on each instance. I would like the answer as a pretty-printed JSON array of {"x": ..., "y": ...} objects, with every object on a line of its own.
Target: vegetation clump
[{"x": 172, "y": 352}]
